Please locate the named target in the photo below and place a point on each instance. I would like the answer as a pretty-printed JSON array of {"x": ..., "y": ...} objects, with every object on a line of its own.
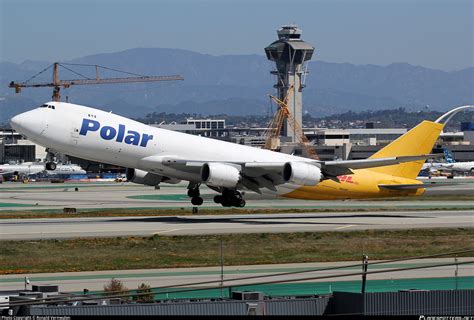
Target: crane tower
[{"x": 290, "y": 53}]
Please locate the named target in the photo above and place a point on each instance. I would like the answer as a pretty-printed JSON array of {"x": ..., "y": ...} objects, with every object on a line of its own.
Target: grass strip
[
  {"x": 92, "y": 254},
  {"x": 187, "y": 211}
]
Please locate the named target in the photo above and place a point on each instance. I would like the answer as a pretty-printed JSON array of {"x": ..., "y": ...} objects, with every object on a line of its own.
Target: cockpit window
[{"x": 48, "y": 106}]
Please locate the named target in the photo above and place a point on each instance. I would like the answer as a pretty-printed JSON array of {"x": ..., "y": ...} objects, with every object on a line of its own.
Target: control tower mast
[{"x": 290, "y": 54}]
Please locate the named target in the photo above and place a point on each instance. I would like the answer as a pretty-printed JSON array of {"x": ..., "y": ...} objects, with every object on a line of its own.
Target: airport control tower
[{"x": 290, "y": 53}]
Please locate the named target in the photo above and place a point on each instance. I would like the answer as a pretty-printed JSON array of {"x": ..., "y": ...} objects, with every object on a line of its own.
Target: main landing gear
[
  {"x": 194, "y": 194},
  {"x": 230, "y": 198}
]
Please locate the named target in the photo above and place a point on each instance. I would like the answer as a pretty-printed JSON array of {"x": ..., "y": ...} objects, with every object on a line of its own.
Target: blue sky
[{"x": 432, "y": 33}]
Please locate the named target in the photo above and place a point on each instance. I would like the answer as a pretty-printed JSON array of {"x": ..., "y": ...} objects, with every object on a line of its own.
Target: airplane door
[{"x": 74, "y": 133}]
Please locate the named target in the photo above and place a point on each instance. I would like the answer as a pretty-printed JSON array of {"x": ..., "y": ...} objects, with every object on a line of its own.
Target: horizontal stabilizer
[{"x": 415, "y": 186}]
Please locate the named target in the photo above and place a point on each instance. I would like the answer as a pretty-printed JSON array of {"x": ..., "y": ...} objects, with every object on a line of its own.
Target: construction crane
[
  {"x": 272, "y": 133},
  {"x": 57, "y": 83}
]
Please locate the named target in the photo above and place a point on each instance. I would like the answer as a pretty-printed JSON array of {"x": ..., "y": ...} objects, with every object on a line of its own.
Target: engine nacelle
[
  {"x": 143, "y": 177},
  {"x": 302, "y": 173},
  {"x": 220, "y": 175}
]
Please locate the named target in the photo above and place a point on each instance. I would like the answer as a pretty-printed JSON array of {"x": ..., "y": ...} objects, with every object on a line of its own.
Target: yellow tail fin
[{"x": 417, "y": 141}]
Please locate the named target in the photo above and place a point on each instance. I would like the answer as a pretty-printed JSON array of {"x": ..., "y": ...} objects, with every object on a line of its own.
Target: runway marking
[
  {"x": 165, "y": 231},
  {"x": 344, "y": 227}
]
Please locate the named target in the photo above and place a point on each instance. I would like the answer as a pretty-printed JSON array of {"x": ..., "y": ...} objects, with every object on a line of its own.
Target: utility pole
[
  {"x": 365, "y": 261},
  {"x": 222, "y": 268},
  {"x": 456, "y": 272}
]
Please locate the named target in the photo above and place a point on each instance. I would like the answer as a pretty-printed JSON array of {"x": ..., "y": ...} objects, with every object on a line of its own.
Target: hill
[{"x": 238, "y": 85}]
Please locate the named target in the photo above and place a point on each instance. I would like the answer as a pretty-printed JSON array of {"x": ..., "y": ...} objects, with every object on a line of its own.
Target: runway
[
  {"x": 440, "y": 277},
  {"x": 29, "y": 229},
  {"x": 41, "y": 196}
]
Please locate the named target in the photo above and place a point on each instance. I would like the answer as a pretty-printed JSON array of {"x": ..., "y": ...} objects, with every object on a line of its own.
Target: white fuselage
[
  {"x": 105, "y": 137},
  {"x": 27, "y": 169},
  {"x": 21, "y": 169},
  {"x": 457, "y": 166},
  {"x": 449, "y": 167}
]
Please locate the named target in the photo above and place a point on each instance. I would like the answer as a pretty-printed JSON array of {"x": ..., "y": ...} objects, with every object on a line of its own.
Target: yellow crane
[
  {"x": 272, "y": 133},
  {"x": 57, "y": 83}
]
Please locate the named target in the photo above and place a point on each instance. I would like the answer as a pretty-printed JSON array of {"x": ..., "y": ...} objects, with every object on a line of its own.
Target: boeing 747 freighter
[{"x": 153, "y": 155}]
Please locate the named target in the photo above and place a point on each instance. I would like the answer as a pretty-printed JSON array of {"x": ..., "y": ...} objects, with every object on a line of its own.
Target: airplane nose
[
  {"x": 18, "y": 121},
  {"x": 26, "y": 123}
]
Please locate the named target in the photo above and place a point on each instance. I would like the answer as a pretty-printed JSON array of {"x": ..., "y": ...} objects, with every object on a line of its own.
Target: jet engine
[
  {"x": 220, "y": 175},
  {"x": 302, "y": 173},
  {"x": 143, "y": 177}
]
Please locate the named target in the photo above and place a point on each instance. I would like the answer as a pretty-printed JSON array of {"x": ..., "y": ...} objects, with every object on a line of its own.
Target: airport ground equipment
[
  {"x": 290, "y": 53},
  {"x": 57, "y": 83}
]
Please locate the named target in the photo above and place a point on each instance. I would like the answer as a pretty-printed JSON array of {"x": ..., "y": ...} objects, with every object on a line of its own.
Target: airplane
[
  {"x": 67, "y": 169},
  {"x": 23, "y": 169},
  {"x": 30, "y": 168},
  {"x": 154, "y": 155},
  {"x": 452, "y": 166}
]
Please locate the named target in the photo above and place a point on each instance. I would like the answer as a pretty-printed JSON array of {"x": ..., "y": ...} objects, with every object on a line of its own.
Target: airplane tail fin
[
  {"x": 448, "y": 156},
  {"x": 419, "y": 140}
]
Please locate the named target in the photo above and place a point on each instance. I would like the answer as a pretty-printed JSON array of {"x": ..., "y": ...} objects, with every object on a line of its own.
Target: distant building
[
  {"x": 15, "y": 148},
  {"x": 203, "y": 127},
  {"x": 468, "y": 129}
]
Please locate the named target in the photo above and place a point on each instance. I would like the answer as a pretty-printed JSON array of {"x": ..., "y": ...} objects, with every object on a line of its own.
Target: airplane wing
[{"x": 258, "y": 175}]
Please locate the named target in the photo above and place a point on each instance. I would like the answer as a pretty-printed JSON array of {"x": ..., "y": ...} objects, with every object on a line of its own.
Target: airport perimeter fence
[{"x": 446, "y": 302}]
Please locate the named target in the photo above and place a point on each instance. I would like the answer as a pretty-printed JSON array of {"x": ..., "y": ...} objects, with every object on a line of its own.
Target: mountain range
[{"x": 235, "y": 85}]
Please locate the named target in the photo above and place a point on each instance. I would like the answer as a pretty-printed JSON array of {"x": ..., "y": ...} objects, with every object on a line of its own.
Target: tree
[
  {"x": 115, "y": 287},
  {"x": 145, "y": 294}
]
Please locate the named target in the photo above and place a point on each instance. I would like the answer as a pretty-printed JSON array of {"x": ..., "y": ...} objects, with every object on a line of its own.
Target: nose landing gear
[
  {"x": 50, "y": 166},
  {"x": 230, "y": 198},
  {"x": 50, "y": 157}
]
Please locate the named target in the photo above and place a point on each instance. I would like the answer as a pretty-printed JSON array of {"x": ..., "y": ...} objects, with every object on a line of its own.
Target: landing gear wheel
[
  {"x": 50, "y": 166},
  {"x": 218, "y": 199},
  {"x": 230, "y": 198},
  {"x": 197, "y": 201},
  {"x": 241, "y": 203}
]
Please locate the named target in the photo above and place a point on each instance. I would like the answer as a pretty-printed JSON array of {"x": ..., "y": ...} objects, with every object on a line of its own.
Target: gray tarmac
[
  {"x": 371, "y": 214},
  {"x": 32, "y": 196},
  {"x": 61, "y": 228}
]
